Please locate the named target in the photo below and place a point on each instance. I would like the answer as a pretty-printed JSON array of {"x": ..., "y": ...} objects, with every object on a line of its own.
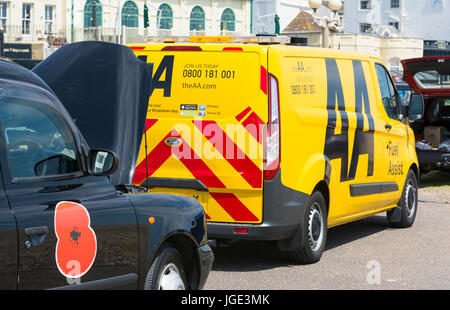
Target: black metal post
[{"x": 2, "y": 54}]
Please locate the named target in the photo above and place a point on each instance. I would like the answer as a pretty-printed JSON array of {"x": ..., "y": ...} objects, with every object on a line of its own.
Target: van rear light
[
  {"x": 272, "y": 132},
  {"x": 240, "y": 230},
  {"x": 264, "y": 80},
  {"x": 178, "y": 48},
  {"x": 236, "y": 49}
]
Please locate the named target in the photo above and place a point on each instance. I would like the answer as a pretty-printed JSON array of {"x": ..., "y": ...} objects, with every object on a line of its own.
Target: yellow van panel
[
  {"x": 198, "y": 103},
  {"x": 332, "y": 127},
  {"x": 305, "y": 99}
]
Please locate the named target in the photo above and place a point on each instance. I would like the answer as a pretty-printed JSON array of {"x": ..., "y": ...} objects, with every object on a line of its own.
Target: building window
[
  {"x": 3, "y": 15},
  {"x": 364, "y": 28},
  {"x": 49, "y": 20},
  {"x": 227, "y": 22},
  {"x": 92, "y": 14},
  {"x": 164, "y": 17},
  {"x": 395, "y": 4},
  {"x": 26, "y": 18},
  {"x": 364, "y": 5},
  {"x": 341, "y": 18},
  {"x": 130, "y": 15},
  {"x": 197, "y": 19},
  {"x": 395, "y": 25}
]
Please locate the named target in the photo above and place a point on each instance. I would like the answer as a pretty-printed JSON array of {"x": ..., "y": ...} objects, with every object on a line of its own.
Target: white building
[
  {"x": 264, "y": 12},
  {"x": 75, "y": 20},
  {"x": 29, "y": 20},
  {"x": 425, "y": 19}
]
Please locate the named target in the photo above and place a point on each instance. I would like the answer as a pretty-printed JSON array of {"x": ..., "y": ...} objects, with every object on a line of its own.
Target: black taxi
[{"x": 64, "y": 223}]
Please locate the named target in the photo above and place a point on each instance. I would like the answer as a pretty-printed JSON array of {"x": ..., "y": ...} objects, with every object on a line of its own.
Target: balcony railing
[
  {"x": 32, "y": 32},
  {"x": 56, "y": 36}
]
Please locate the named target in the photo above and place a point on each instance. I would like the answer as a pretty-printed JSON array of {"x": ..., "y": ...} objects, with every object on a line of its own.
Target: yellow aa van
[{"x": 278, "y": 142}]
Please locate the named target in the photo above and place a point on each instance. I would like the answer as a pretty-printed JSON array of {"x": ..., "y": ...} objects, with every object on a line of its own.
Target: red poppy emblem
[{"x": 76, "y": 247}]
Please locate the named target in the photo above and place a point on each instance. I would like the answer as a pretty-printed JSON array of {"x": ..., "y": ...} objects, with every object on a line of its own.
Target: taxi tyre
[
  {"x": 407, "y": 204},
  {"x": 167, "y": 271},
  {"x": 314, "y": 231}
]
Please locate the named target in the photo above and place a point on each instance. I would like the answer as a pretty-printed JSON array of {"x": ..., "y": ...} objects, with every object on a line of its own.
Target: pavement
[{"x": 365, "y": 255}]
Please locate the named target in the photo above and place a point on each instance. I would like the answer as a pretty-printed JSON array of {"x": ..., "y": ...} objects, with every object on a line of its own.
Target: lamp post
[
  {"x": 2, "y": 37},
  {"x": 326, "y": 21},
  {"x": 118, "y": 23},
  {"x": 72, "y": 31}
]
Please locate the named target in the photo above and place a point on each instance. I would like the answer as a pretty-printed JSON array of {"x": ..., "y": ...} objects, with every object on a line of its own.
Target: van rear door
[
  {"x": 428, "y": 75},
  {"x": 204, "y": 130}
]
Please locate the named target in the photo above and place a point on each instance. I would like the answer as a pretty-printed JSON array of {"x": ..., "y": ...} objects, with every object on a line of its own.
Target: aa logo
[
  {"x": 166, "y": 66},
  {"x": 336, "y": 145},
  {"x": 76, "y": 247}
]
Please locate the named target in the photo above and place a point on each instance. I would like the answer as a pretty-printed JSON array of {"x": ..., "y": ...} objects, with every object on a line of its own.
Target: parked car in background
[
  {"x": 68, "y": 219},
  {"x": 430, "y": 76}
]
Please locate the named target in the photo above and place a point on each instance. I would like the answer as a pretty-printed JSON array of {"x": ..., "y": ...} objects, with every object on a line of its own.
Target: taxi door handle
[
  {"x": 388, "y": 127},
  {"x": 36, "y": 236}
]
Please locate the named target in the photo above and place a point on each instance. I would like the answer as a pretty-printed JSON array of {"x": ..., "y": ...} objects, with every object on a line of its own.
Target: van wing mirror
[
  {"x": 102, "y": 162},
  {"x": 416, "y": 107}
]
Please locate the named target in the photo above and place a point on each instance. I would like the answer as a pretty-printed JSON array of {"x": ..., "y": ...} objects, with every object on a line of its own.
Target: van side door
[
  {"x": 395, "y": 136},
  {"x": 8, "y": 243},
  {"x": 72, "y": 228}
]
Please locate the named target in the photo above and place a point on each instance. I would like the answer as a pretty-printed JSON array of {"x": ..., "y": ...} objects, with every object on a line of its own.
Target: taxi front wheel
[
  {"x": 314, "y": 232},
  {"x": 167, "y": 271}
]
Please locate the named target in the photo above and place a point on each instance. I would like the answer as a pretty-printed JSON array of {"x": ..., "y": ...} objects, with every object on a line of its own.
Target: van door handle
[
  {"x": 388, "y": 127},
  {"x": 36, "y": 236}
]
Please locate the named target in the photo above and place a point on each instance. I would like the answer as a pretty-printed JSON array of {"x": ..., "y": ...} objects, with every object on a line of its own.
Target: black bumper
[
  {"x": 206, "y": 259},
  {"x": 283, "y": 213},
  {"x": 433, "y": 160}
]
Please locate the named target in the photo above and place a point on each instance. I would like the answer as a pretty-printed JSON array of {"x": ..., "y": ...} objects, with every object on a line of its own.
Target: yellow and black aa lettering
[
  {"x": 363, "y": 142},
  {"x": 143, "y": 58},
  {"x": 336, "y": 145},
  {"x": 165, "y": 65}
]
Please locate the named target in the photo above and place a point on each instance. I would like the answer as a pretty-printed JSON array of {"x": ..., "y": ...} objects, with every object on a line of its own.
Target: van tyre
[
  {"x": 314, "y": 231},
  {"x": 167, "y": 271},
  {"x": 407, "y": 204}
]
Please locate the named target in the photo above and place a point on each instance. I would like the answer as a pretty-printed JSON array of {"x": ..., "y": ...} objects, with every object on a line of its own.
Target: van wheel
[
  {"x": 314, "y": 232},
  {"x": 167, "y": 271},
  {"x": 407, "y": 204}
]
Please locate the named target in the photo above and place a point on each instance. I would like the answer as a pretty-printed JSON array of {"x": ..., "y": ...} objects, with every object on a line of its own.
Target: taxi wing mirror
[{"x": 102, "y": 162}]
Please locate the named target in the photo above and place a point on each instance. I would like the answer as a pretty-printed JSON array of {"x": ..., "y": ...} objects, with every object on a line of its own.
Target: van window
[
  {"x": 38, "y": 140},
  {"x": 389, "y": 96}
]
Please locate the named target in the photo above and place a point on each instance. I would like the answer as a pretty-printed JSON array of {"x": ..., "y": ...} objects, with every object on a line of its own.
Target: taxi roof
[{"x": 14, "y": 72}]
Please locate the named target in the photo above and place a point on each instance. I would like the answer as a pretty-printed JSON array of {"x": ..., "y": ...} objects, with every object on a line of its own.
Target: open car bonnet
[
  {"x": 106, "y": 89},
  {"x": 429, "y": 76}
]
